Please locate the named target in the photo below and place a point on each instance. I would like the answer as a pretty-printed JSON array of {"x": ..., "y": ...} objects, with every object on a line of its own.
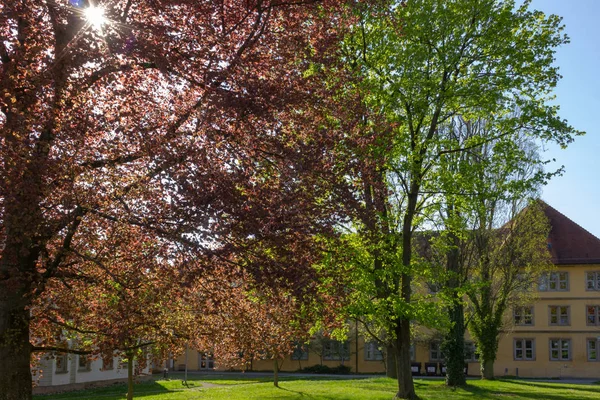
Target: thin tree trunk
[
  {"x": 275, "y": 373},
  {"x": 130, "y": 376}
]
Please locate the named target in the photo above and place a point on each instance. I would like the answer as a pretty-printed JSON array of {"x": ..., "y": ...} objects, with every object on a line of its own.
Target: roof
[{"x": 568, "y": 242}]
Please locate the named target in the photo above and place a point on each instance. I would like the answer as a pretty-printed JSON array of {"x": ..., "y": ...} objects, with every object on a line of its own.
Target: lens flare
[{"x": 95, "y": 17}]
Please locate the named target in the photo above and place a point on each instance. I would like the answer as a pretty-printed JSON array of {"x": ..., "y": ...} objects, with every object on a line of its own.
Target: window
[
  {"x": 300, "y": 352},
  {"x": 523, "y": 315},
  {"x": 592, "y": 315},
  {"x": 559, "y": 315},
  {"x": 412, "y": 351},
  {"x": 62, "y": 363},
  {"x": 435, "y": 352},
  {"x": 524, "y": 349},
  {"x": 592, "y": 280},
  {"x": 560, "y": 349},
  {"x": 554, "y": 282},
  {"x": 592, "y": 349},
  {"x": 85, "y": 363},
  {"x": 334, "y": 350},
  {"x": 108, "y": 364},
  {"x": 471, "y": 352},
  {"x": 373, "y": 352}
]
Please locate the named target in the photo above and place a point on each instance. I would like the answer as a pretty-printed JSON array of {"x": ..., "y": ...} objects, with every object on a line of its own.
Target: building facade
[{"x": 557, "y": 336}]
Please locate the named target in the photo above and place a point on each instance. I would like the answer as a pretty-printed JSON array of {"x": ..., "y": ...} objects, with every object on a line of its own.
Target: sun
[{"x": 94, "y": 15}]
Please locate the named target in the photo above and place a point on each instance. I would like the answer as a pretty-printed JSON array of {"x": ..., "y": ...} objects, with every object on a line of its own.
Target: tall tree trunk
[
  {"x": 406, "y": 388},
  {"x": 17, "y": 266},
  {"x": 454, "y": 342},
  {"x": 390, "y": 365},
  {"x": 130, "y": 357},
  {"x": 454, "y": 346},
  {"x": 15, "y": 352}
]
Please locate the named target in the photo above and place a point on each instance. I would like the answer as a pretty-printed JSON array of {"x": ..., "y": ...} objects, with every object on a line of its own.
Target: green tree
[
  {"x": 506, "y": 169},
  {"x": 510, "y": 261},
  {"x": 420, "y": 63}
]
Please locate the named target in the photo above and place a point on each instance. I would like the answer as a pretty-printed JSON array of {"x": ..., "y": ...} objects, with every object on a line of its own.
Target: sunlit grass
[{"x": 221, "y": 387}]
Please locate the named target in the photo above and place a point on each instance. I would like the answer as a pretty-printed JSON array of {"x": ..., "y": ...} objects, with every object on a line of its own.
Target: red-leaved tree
[{"x": 142, "y": 144}]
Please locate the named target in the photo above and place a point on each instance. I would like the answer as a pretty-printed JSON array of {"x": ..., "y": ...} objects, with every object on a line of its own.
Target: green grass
[{"x": 325, "y": 388}]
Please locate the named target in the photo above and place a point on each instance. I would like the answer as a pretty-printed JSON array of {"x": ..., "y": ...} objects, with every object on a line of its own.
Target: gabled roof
[{"x": 568, "y": 242}]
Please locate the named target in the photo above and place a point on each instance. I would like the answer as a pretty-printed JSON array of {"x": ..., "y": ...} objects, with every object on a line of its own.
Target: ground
[{"x": 260, "y": 387}]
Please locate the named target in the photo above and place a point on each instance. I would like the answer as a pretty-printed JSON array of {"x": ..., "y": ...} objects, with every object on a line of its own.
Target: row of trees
[
  {"x": 453, "y": 100},
  {"x": 181, "y": 165}
]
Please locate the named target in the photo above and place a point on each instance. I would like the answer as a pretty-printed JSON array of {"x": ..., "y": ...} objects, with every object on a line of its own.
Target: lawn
[{"x": 224, "y": 387}]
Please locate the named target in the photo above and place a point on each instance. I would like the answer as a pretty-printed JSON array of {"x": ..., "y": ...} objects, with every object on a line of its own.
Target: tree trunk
[
  {"x": 130, "y": 376},
  {"x": 487, "y": 369},
  {"x": 406, "y": 389},
  {"x": 275, "y": 373},
  {"x": 15, "y": 351},
  {"x": 17, "y": 265},
  {"x": 390, "y": 365},
  {"x": 454, "y": 342},
  {"x": 454, "y": 346}
]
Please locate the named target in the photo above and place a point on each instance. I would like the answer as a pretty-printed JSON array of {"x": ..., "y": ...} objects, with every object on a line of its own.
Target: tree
[
  {"x": 510, "y": 261},
  {"x": 171, "y": 117},
  {"x": 503, "y": 169},
  {"x": 418, "y": 64}
]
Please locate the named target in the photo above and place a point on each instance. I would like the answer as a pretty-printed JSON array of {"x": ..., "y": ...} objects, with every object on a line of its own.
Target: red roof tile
[{"x": 568, "y": 242}]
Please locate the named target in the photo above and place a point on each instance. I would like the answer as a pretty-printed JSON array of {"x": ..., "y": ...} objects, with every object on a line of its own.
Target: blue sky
[{"x": 576, "y": 194}]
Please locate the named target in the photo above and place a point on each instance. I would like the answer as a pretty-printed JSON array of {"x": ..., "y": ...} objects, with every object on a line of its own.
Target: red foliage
[{"x": 162, "y": 151}]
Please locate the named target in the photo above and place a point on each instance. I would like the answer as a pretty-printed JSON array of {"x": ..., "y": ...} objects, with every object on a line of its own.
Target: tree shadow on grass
[
  {"x": 117, "y": 390},
  {"x": 521, "y": 392},
  {"x": 557, "y": 385}
]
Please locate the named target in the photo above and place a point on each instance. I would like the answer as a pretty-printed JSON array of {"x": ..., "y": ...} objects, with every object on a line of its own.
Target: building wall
[
  {"x": 577, "y": 298},
  {"x": 50, "y": 376}
]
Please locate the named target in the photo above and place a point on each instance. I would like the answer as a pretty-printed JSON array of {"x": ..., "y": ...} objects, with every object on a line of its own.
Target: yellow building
[{"x": 558, "y": 336}]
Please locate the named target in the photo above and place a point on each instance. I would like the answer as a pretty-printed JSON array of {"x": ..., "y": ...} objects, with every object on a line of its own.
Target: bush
[{"x": 324, "y": 369}]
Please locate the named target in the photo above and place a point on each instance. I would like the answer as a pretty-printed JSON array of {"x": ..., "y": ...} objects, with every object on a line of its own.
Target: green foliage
[{"x": 449, "y": 91}]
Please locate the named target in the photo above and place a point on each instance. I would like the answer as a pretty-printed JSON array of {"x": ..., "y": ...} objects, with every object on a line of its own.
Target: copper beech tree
[{"x": 145, "y": 144}]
